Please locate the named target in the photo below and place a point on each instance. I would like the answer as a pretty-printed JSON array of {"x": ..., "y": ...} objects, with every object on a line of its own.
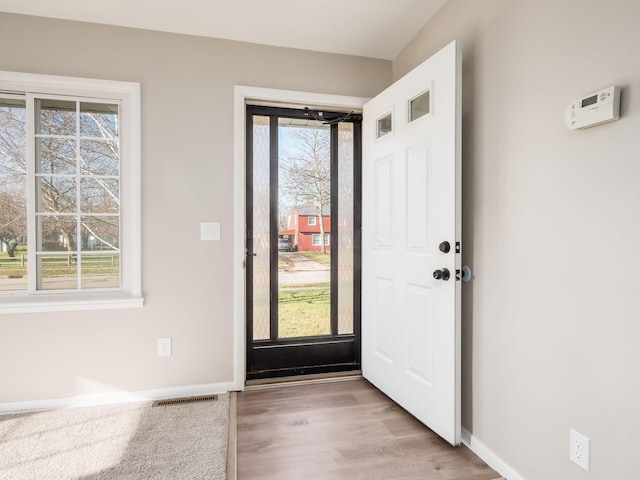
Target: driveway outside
[{"x": 301, "y": 269}]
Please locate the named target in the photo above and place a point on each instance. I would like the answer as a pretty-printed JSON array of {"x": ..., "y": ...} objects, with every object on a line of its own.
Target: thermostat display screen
[{"x": 589, "y": 101}]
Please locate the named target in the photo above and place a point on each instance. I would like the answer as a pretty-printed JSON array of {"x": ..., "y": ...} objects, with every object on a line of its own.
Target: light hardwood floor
[{"x": 343, "y": 430}]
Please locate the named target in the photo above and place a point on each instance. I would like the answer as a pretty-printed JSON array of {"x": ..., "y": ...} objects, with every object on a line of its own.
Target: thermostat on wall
[{"x": 594, "y": 109}]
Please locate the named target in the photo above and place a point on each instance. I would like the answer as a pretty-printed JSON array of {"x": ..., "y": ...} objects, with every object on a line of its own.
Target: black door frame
[{"x": 307, "y": 355}]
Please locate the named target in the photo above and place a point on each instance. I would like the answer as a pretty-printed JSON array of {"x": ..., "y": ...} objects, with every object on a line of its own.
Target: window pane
[
  {"x": 56, "y": 233},
  {"x": 100, "y": 233},
  {"x": 56, "y": 194},
  {"x": 100, "y": 271},
  {"x": 99, "y": 157},
  {"x": 13, "y": 270},
  {"x": 99, "y": 195},
  {"x": 13, "y": 186},
  {"x": 98, "y": 120},
  {"x": 304, "y": 182},
  {"x": 56, "y": 155},
  {"x": 384, "y": 126},
  {"x": 62, "y": 188},
  {"x": 55, "y": 117},
  {"x": 345, "y": 228},
  {"x": 261, "y": 229},
  {"x": 420, "y": 106},
  {"x": 58, "y": 272}
]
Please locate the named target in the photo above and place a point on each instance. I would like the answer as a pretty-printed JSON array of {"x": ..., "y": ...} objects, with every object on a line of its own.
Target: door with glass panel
[{"x": 302, "y": 243}]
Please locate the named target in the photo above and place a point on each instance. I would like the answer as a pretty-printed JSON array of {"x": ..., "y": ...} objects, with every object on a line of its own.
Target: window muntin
[{"x": 95, "y": 174}]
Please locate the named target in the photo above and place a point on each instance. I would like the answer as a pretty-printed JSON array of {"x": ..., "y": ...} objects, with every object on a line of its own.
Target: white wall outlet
[
  {"x": 579, "y": 449},
  {"x": 164, "y": 347},
  {"x": 209, "y": 230}
]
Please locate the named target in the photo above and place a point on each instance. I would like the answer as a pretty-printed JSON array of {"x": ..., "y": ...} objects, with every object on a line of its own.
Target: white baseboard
[
  {"x": 489, "y": 456},
  {"x": 115, "y": 397}
]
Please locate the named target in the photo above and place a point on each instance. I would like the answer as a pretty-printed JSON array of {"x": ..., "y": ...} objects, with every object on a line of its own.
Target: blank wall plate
[
  {"x": 209, "y": 230},
  {"x": 579, "y": 449},
  {"x": 164, "y": 347}
]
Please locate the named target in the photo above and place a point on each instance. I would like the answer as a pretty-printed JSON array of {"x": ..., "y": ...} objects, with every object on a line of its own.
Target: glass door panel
[
  {"x": 261, "y": 228},
  {"x": 345, "y": 250},
  {"x": 304, "y": 226}
]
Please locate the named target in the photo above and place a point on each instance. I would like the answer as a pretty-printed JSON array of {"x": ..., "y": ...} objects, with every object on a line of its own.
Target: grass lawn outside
[
  {"x": 60, "y": 265},
  {"x": 304, "y": 311}
]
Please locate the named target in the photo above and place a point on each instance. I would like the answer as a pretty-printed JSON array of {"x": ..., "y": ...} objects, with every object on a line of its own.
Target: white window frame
[
  {"x": 310, "y": 223},
  {"x": 327, "y": 239},
  {"x": 315, "y": 240},
  {"x": 127, "y": 95}
]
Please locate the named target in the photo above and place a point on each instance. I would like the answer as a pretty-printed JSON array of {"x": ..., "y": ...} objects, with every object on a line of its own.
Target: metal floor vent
[{"x": 183, "y": 400}]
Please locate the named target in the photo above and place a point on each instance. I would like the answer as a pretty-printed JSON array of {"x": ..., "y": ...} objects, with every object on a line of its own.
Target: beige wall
[
  {"x": 551, "y": 228},
  {"x": 187, "y": 141},
  {"x": 551, "y": 218}
]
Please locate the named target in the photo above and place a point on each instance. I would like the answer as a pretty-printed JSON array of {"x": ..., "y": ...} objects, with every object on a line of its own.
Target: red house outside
[{"x": 304, "y": 229}]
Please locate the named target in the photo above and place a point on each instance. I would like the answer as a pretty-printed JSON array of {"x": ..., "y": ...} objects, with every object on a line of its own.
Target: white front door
[{"x": 411, "y": 233}]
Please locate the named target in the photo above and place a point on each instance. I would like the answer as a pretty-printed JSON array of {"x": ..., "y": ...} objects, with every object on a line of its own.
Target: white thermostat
[{"x": 594, "y": 109}]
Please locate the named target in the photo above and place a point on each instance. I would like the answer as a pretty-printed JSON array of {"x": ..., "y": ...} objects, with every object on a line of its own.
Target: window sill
[{"x": 68, "y": 302}]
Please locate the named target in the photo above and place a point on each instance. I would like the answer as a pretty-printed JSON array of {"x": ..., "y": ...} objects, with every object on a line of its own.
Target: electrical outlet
[
  {"x": 579, "y": 449},
  {"x": 164, "y": 347}
]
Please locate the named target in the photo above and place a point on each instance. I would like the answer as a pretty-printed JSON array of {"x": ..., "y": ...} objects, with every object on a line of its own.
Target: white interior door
[{"x": 411, "y": 207}]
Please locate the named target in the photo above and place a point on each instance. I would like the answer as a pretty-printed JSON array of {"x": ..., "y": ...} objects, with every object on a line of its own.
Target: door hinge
[{"x": 458, "y": 247}]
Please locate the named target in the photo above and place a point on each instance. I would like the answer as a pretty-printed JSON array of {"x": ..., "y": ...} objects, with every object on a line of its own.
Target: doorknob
[
  {"x": 251, "y": 254},
  {"x": 445, "y": 247},
  {"x": 443, "y": 274}
]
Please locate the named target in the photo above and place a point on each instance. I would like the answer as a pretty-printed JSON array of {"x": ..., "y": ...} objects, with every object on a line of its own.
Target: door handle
[
  {"x": 251, "y": 254},
  {"x": 442, "y": 274}
]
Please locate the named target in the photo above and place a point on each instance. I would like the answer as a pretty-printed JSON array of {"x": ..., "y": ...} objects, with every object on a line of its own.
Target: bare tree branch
[{"x": 306, "y": 172}]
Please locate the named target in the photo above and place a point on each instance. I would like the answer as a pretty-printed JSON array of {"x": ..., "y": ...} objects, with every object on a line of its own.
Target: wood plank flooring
[{"x": 343, "y": 430}]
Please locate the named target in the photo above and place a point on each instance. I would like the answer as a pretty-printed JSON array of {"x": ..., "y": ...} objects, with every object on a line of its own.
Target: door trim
[{"x": 274, "y": 97}]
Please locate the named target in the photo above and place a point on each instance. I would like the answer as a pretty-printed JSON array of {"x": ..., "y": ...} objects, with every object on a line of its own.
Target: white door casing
[
  {"x": 412, "y": 203},
  {"x": 250, "y": 94}
]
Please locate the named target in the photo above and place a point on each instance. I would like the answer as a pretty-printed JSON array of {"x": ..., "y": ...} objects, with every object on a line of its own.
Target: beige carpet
[{"x": 123, "y": 441}]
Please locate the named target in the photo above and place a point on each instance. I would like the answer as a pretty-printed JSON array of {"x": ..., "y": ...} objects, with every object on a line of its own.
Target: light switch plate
[{"x": 209, "y": 230}]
